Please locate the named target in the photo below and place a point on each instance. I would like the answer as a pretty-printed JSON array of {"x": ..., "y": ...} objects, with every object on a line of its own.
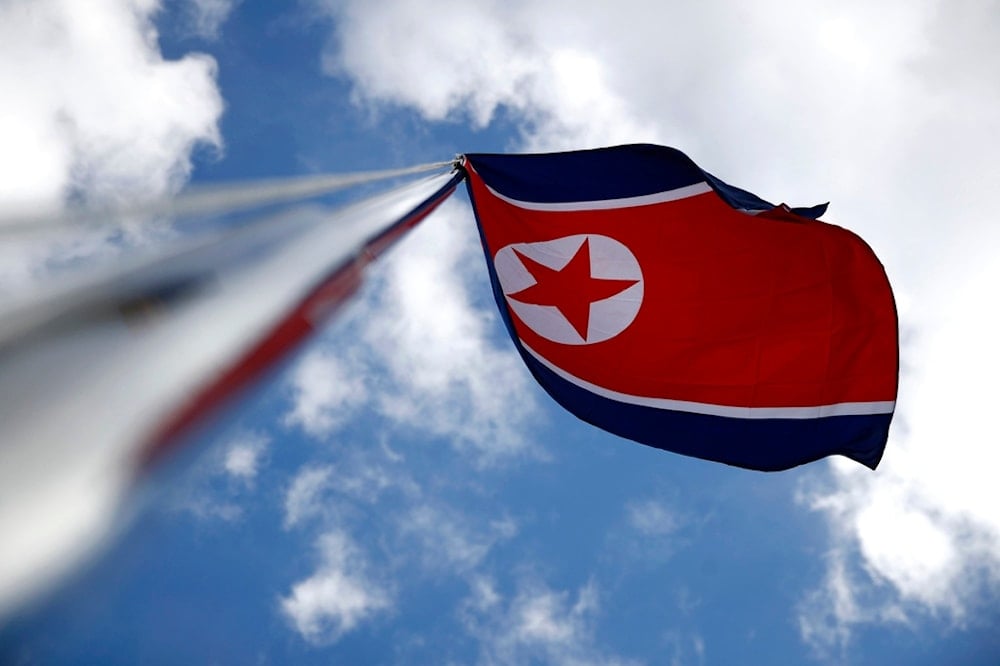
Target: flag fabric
[{"x": 659, "y": 303}]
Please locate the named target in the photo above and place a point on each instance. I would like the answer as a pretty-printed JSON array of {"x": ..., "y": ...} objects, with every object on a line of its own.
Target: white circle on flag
[{"x": 609, "y": 260}]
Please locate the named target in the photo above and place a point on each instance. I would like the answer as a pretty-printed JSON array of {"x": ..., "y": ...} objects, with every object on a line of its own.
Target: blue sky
[{"x": 402, "y": 492}]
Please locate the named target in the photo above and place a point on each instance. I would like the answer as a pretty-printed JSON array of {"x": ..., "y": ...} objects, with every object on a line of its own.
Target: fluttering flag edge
[{"x": 752, "y": 443}]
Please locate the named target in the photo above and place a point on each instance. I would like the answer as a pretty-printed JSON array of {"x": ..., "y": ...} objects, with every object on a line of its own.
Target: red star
[{"x": 571, "y": 289}]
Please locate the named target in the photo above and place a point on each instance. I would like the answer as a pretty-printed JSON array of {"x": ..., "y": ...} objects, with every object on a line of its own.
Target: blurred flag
[{"x": 663, "y": 305}]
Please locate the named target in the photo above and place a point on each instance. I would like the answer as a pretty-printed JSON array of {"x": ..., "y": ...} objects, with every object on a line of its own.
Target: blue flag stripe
[
  {"x": 626, "y": 172},
  {"x": 761, "y": 444},
  {"x": 816, "y": 411}
]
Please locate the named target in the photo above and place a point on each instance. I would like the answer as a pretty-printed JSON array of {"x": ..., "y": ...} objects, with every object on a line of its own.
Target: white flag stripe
[
  {"x": 837, "y": 409},
  {"x": 608, "y": 204}
]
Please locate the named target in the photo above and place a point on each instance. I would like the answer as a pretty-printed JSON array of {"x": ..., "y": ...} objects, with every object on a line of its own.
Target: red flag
[{"x": 657, "y": 302}]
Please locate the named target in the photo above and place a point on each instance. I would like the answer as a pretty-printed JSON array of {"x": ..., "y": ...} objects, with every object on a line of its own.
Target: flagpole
[
  {"x": 104, "y": 378},
  {"x": 313, "y": 310},
  {"x": 209, "y": 200}
]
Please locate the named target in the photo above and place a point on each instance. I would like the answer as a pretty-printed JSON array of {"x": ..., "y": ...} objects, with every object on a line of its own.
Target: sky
[{"x": 401, "y": 491}]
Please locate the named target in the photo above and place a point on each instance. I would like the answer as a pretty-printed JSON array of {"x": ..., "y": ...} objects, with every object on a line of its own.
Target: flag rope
[
  {"x": 207, "y": 200},
  {"x": 84, "y": 295}
]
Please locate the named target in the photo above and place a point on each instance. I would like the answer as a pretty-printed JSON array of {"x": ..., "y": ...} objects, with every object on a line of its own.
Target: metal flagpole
[{"x": 103, "y": 377}]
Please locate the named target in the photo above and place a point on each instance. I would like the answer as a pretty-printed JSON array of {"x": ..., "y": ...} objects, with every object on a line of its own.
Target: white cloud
[
  {"x": 325, "y": 392},
  {"x": 555, "y": 82},
  {"x": 238, "y": 461},
  {"x": 244, "y": 455},
  {"x": 92, "y": 110},
  {"x": 538, "y": 625},
  {"x": 652, "y": 531},
  {"x": 364, "y": 474},
  {"x": 828, "y": 615},
  {"x": 652, "y": 518},
  {"x": 926, "y": 525},
  {"x": 450, "y": 540},
  {"x": 92, "y": 106},
  {"x": 337, "y": 597},
  {"x": 323, "y": 492},
  {"x": 207, "y": 508},
  {"x": 683, "y": 649},
  {"x": 304, "y": 497},
  {"x": 207, "y": 16},
  {"x": 451, "y": 378},
  {"x": 483, "y": 595},
  {"x": 887, "y": 109},
  {"x": 440, "y": 369}
]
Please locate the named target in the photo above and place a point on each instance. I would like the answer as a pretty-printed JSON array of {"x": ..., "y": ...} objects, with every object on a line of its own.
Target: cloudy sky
[{"x": 403, "y": 492}]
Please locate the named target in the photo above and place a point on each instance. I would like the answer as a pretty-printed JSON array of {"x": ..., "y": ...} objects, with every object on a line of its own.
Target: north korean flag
[{"x": 657, "y": 302}]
